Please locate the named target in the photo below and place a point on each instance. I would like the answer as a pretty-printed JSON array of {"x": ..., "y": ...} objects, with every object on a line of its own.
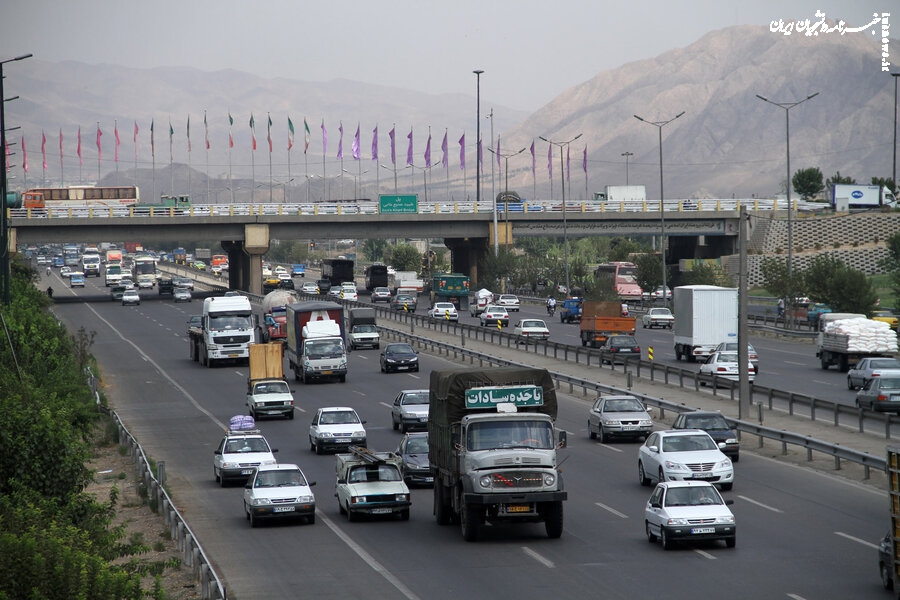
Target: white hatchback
[{"x": 688, "y": 511}]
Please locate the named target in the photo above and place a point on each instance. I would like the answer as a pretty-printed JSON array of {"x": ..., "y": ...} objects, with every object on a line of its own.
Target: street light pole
[
  {"x": 4, "y": 224},
  {"x": 894, "y": 161},
  {"x": 562, "y": 174},
  {"x": 662, "y": 206},
  {"x": 506, "y": 158},
  {"x": 787, "y": 106},
  {"x": 478, "y": 73},
  {"x": 626, "y": 155}
]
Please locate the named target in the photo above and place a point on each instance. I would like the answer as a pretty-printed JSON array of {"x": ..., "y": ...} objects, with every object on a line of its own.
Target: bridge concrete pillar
[
  {"x": 245, "y": 258},
  {"x": 238, "y": 264},
  {"x": 466, "y": 253}
]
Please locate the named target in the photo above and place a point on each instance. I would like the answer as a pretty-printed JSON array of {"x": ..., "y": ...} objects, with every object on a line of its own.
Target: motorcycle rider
[{"x": 551, "y": 305}]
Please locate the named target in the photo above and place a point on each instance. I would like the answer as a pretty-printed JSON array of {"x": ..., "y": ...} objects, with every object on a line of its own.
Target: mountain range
[{"x": 727, "y": 143}]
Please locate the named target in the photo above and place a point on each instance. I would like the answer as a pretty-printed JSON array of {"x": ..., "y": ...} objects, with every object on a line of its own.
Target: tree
[
  {"x": 837, "y": 178},
  {"x": 495, "y": 268},
  {"x": 816, "y": 279},
  {"x": 406, "y": 258},
  {"x": 808, "y": 182},
  {"x": 376, "y": 250},
  {"x": 852, "y": 292},
  {"x": 886, "y": 182},
  {"x": 891, "y": 264},
  {"x": 706, "y": 274},
  {"x": 775, "y": 277},
  {"x": 649, "y": 271}
]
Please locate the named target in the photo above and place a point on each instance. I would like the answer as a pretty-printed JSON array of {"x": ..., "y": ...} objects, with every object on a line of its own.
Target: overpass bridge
[{"x": 695, "y": 229}]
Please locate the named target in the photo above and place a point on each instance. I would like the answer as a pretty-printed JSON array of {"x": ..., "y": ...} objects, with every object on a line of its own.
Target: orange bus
[{"x": 219, "y": 260}]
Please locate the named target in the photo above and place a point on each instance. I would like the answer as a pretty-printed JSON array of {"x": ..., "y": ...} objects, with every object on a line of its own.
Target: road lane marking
[
  {"x": 544, "y": 561},
  {"x": 704, "y": 554},
  {"x": 612, "y": 510},
  {"x": 856, "y": 539},
  {"x": 608, "y": 447},
  {"x": 796, "y": 597},
  {"x": 760, "y": 504}
]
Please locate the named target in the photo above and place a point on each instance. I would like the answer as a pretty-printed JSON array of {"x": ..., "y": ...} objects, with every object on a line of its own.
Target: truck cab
[{"x": 370, "y": 483}]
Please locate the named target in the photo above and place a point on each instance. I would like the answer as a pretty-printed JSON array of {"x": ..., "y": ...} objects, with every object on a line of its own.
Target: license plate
[
  {"x": 246, "y": 471},
  {"x": 429, "y": 480},
  {"x": 326, "y": 372},
  {"x": 342, "y": 441},
  {"x": 518, "y": 508},
  {"x": 284, "y": 509},
  {"x": 703, "y": 476},
  {"x": 629, "y": 427},
  {"x": 700, "y": 530},
  {"x": 403, "y": 368},
  {"x": 234, "y": 355},
  {"x": 381, "y": 511}
]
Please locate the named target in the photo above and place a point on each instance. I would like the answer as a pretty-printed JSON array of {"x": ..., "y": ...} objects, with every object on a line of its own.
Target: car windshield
[
  {"x": 691, "y": 496},
  {"x": 624, "y": 405},
  {"x": 279, "y": 479},
  {"x": 539, "y": 324},
  {"x": 364, "y": 329},
  {"x": 338, "y": 418},
  {"x": 705, "y": 422},
  {"x": 399, "y": 349},
  {"x": 383, "y": 472},
  {"x": 443, "y": 306},
  {"x": 246, "y": 445},
  {"x": 727, "y": 357},
  {"x": 271, "y": 387},
  {"x": 415, "y": 398},
  {"x": 510, "y": 434},
  {"x": 417, "y": 446},
  {"x": 890, "y": 383},
  {"x": 687, "y": 443}
]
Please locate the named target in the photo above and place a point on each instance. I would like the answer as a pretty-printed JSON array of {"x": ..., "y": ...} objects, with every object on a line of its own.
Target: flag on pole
[
  {"x": 462, "y": 152},
  {"x": 152, "y": 143},
  {"x": 393, "y": 152},
  {"x": 24, "y": 155},
  {"x": 230, "y": 136},
  {"x": 533, "y": 163},
  {"x": 375, "y": 143},
  {"x": 409, "y": 149},
  {"x": 428, "y": 151},
  {"x": 444, "y": 161},
  {"x": 355, "y": 147},
  {"x": 205, "y": 130},
  {"x": 269, "y": 134},
  {"x": 44, "y": 149},
  {"x": 78, "y": 148},
  {"x": 171, "y": 141},
  {"x": 116, "y": 129},
  {"x": 324, "y": 139},
  {"x": 99, "y": 149},
  {"x": 290, "y": 134},
  {"x": 189, "y": 132},
  {"x": 306, "y": 136},
  {"x": 480, "y": 159},
  {"x": 550, "y": 162},
  {"x": 340, "y": 152},
  {"x": 568, "y": 165},
  {"x": 584, "y": 161},
  {"x": 136, "y": 129},
  {"x": 253, "y": 131}
]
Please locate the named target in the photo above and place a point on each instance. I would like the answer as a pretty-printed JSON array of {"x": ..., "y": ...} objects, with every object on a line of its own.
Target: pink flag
[
  {"x": 99, "y": 149},
  {"x": 550, "y": 162},
  {"x": 375, "y": 143},
  {"x": 584, "y": 160},
  {"x": 80, "y": 161},
  {"x": 444, "y": 151},
  {"x": 409, "y": 159},
  {"x": 462, "y": 152},
  {"x": 24, "y": 155},
  {"x": 393, "y": 148},
  {"x": 117, "y": 140},
  {"x": 324, "y": 138},
  {"x": 44, "y": 149},
  {"x": 532, "y": 158},
  {"x": 253, "y": 131},
  {"x": 340, "y": 152},
  {"x": 428, "y": 151},
  {"x": 356, "y": 143}
]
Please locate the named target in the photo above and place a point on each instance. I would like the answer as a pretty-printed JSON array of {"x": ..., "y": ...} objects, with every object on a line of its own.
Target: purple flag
[
  {"x": 550, "y": 161},
  {"x": 375, "y": 143},
  {"x": 568, "y": 165},
  {"x": 356, "y": 143},
  {"x": 428, "y": 151},
  {"x": 324, "y": 138},
  {"x": 533, "y": 163},
  {"x": 462, "y": 152},
  {"x": 393, "y": 148},
  {"x": 584, "y": 160},
  {"x": 340, "y": 153},
  {"x": 444, "y": 150},
  {"x": 409, "y": 159},
  {"x": 498, "y": 152}
]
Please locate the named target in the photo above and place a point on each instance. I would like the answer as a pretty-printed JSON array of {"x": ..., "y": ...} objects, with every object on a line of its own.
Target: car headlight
[
  {"x": 549, "y": 479},
  {"x": 731, "y": 441},
  {"x": 390, "y": 360},
  {"x": 727, "y": 520},
  {"x": 305, "y": 499},
  {"x": 230, "y": 465},
  {"x": 358, "y": 500},
  {"x": 679, "y": 521},
  {"x": 724, "y": 464},
  {"x": 675, "y": 466},
  {"x": 261, "y": 501},
  {"x": 646, "y": 423},
  {"x": 401, "y": 497},
  {"x": 359, "y": 433},
  {"x": 485, "y": 481},
  {"x": 324, "y": 434}
]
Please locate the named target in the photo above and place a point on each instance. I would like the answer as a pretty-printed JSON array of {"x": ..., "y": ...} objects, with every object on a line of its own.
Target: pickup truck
[
  {"x": 370, "y": 483},
  {"x": 268, "y": 392},
  {"x": 570, "y": 311}
]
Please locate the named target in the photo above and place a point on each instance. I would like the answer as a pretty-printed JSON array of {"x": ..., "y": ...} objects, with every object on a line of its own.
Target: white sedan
[
  {"x": 508, "y": 301},
  {"x": 725, "y": 365},
  {"x": 688, "y": 510},
  {"x": 658, "y": 317},
  {"x": 683, "y": 455},
  {"x": 527, "y": 330},
  {"x": 444, "y": 311},
  {"x": 278, "y": 492}
]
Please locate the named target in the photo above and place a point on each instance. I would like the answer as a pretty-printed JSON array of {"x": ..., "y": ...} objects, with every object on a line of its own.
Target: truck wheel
[
  {"x": 844, "y": 363},
  {"x": 469, "y": 521},
  {"x": 553, "y": 519},
  {"x": 825, "y": 364},
  {"x": 441, "y": 504},
  {"x": 202, "y": 353}
]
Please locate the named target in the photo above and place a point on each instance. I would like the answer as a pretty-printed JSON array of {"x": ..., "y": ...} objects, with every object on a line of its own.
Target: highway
[{"x": 801, "y": 534}]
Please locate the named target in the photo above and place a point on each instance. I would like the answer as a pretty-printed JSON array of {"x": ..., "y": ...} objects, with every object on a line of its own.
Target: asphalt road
[{"x": 801, "y": 534}]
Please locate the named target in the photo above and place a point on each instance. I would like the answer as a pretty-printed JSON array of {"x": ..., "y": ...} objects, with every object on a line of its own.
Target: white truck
[
  {"x": 315, "y": 341},
  {"x": 226, "y": 330},
  {"x": 705, "y": 316},
  {"x": 267, "y": 389},
  {"x": 370, "y": 483},
  {"x": 845, "y": 338},
  {"x": 622, "y": 193},
  {"x": 846, "y": 197},
  {"x": 361, "y": 329},
  {"x": 479, "y": 301}
]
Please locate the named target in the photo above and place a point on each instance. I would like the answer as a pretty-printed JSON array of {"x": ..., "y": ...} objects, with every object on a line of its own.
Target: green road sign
[
  {"x": 489, "y": 397},
  {"x": 399, "y": 204}
]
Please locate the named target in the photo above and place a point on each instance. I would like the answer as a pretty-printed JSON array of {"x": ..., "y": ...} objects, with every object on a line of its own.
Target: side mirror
[
  {"x": 274, "y": 450},
  {"x": 729, "y": 502},
  {"x": 217, "y": 452},
  {"x": 563, "y": 439},
  {"x": 312, "y": 483},
  {"x": 341, "y": 481}
]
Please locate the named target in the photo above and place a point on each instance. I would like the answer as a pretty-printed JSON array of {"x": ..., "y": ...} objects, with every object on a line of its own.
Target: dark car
[
  {"x": 880, "y": 394},
  {"x": 619, "y": 348},
  {"x": 286, "y": 284},
  {"x": 716, "y": 426},
  {"x": 399, "y": 357},
  {"x": 324, "y": 285},
  {"x": 405, "y": 302},
  {"x": 413, "y": 451}
]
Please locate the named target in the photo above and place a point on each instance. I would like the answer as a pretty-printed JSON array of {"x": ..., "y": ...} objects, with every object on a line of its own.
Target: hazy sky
[{"x": 530, "y": 51}]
